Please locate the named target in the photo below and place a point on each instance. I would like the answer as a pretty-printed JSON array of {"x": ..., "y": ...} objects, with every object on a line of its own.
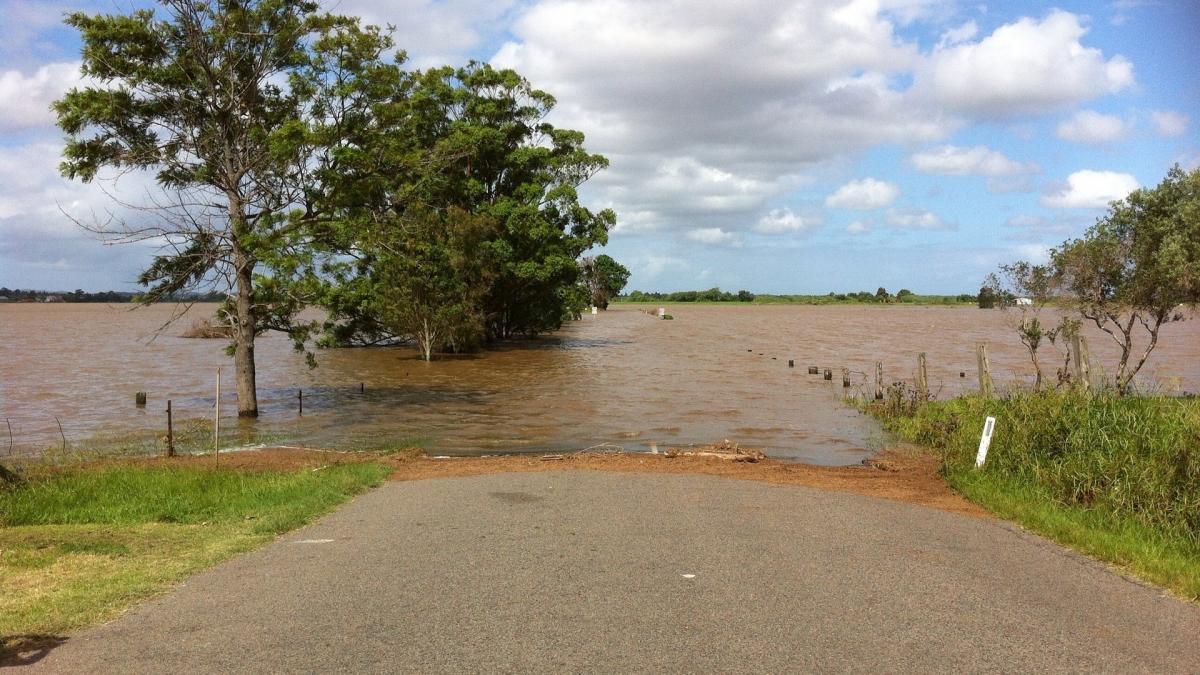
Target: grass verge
[
  {"x": 1115, "y": 478},
  {"x": 80, "y": 545}
]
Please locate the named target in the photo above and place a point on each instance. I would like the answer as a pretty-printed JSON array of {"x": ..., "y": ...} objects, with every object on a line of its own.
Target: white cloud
[
  {"x": 714, "y": 236},
  {"x": 25, "y": 99},
  {"x": 1089, "y": 189},
  {"x": 1025, "y": 67},
  {"x": 1169, "y": 122},
  {"x": 653, "y": 266},
  {"x": 1038, "y": 254},
  {"x": 433, "y": 32},
  {"x": 974, "y": 161},
  {"x": 653, "y": 86},
  {"x": 857, "y": 227},
  {"x": 958, "y": 35},
  {"x": 867, "y": 193},
  {"x": 778, "y": 221},
  {"x": 1089, "y": 126},
  {"x": 915, "y": 219}
]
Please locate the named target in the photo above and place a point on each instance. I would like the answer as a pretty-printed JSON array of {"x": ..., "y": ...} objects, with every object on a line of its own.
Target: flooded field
[{"x": 622, "y": 377}]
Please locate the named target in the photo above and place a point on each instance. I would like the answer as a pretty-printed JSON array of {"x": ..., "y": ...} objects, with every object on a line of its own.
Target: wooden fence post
[
  {"x": 170, "y": 432},
  {"x": 845, "y": 378},
  {"x": 879, "y": 380},
  {"x": 922, "y": 378},
  {"x": 1079, "y": 358},
  {"x": 985, "y": 371}
]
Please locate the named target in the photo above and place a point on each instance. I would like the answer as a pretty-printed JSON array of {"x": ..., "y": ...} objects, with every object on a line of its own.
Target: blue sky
[{"x": 798, "y": 146}]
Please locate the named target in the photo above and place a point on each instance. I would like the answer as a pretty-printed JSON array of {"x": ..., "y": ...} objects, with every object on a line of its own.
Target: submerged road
[{"x": 587, "y": 571}]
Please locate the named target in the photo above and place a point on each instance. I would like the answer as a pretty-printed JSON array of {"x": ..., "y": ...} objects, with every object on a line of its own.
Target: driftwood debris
[
  {"x": 723, "y": 450},
  {"x": 206, "y": 329}
]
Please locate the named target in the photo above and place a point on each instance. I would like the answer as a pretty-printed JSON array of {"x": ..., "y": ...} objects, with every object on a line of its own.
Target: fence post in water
[
  {"x": 922, "y": 378},
  {"x": 791, "y": 363},
  {"x": 139, "y": 399},
  {"x": 812, "y": 370},
  {"x": 300, "y": 399},
  {"x": 879, "y": 380},
  {"x": 985, "y": 371},
  {"x": 362, "y": 387},
  {"x": 170, "y": 432},
  {"x": 1079, "y": 358},
  {"x": 845, "y": 378},
  {"x": 828, "y": 374}
]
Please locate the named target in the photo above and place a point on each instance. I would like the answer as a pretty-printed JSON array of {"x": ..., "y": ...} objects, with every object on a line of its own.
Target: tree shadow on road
[{"x": 24, "y": 650}]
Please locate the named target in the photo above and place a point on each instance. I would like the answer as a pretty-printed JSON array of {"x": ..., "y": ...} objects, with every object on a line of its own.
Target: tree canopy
[
  {"x": 299, "y": 164},
  {"x": 1132, "y": 272},
  {"x": 605, "y": 278}
]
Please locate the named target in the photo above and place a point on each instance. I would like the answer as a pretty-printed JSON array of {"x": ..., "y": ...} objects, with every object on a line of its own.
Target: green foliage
[
  {"x": 1129, "y": 273},
  {"x": 604, "y": 279},
  {"x": 470, "y": 145},
  {"x": 1135, "y": 457},
  {"x": 988, "y": 297},
  {"x": 1115, "y": 477},
  {"x": 196, "y": 96}
]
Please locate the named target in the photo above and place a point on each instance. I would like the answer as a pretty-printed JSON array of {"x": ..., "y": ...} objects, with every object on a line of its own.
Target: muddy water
[{"x": 623, "y": 378}]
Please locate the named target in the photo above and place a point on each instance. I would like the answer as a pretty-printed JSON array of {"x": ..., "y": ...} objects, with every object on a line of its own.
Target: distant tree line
[
  {"x": 79, "y": 295},
  {"x": 710, "y": 295},
  {"x": 880, "y": 296}
]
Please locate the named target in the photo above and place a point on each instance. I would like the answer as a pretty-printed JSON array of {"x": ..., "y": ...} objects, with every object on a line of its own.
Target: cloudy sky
[{"x": 778, "y": 146}]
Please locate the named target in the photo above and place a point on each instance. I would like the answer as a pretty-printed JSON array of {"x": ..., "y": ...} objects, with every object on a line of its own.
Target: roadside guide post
[{"x": 984, "y": 441}]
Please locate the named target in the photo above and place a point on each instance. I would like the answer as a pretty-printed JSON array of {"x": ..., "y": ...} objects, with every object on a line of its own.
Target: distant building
[
  {"x": 1024, "y": 302},
  {"x": 53, "y": 298},
  {"x": 5, "y": 298}
]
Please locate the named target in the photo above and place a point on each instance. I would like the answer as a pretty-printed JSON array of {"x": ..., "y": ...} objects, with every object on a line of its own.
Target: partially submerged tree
[
  {"x": 199, "y": 98},
  {"x": 468, "y": 144},
  {"x": 604, "y": 277},
  {"x": 1130, "y": 274},
  {"x": 432, "y": 280},
  {"x": 1137, "y": 267},
  {"x": 1036, "y": 286}
]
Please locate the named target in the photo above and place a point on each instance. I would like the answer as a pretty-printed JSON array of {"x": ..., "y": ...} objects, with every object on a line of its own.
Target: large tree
[
  {"x": 604, "y": 278},
  {"x": 199, "y": 96},
  {"x": 1135, "y": 269},
  {"x": 469, "y": 144}
]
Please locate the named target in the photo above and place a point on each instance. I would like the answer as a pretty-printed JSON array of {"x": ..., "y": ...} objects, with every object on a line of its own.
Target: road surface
[{"x": 591, "y": 571}]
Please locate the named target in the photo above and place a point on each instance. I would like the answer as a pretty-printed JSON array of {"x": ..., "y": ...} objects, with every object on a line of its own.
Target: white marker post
[{"x": 988, "y": 426}]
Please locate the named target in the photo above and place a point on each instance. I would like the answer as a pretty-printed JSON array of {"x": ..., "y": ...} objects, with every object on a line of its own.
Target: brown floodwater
[{"x": 621, "y": 377}]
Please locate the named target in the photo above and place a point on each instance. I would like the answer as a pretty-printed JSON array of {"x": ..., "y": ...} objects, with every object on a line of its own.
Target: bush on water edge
[
  {"x": 1116, "y": 477},
  {"x": 80, "y": 545}
]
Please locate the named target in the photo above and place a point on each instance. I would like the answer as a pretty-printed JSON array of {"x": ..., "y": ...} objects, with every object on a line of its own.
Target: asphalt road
[{"x": 583, "y": 571}]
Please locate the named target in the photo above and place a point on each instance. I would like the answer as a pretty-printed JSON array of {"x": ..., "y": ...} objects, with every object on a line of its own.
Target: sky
[{"x": 794, "y": 146}]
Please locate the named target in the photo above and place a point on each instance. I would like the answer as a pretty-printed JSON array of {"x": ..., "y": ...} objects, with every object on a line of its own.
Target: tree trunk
[{"x": 243, "y": 336}]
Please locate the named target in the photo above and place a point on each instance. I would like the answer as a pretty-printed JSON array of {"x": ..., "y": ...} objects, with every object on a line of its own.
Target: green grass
[
  {"x": 79, "y": 546},
  {"x": 1117, "y": 478}
]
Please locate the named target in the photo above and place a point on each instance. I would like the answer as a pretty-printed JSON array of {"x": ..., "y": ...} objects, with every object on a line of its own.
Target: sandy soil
[{"x": 899, "y": 474}]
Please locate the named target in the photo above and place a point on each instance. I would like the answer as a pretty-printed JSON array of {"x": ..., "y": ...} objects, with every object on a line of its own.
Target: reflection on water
[{"x": 621, "y": 377}]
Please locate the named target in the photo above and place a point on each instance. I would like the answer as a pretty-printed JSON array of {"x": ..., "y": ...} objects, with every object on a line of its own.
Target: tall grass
[
  {"x": 1132, "y": 456},
  {"x": 1117, "y": 477}
]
